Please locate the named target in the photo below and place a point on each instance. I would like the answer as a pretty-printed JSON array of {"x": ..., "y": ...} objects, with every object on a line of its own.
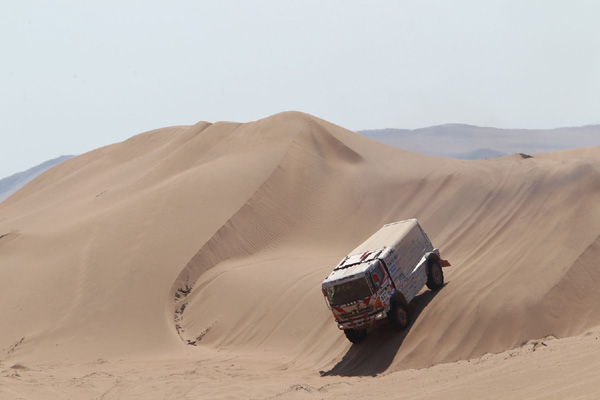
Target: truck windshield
[{"x": 348, "y": 292}]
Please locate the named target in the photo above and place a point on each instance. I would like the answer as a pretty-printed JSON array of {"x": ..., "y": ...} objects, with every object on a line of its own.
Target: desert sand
[{"x": 186, "y": 262}]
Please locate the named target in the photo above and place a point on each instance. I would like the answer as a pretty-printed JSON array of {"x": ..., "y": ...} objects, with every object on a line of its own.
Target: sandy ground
[
  {"x": 220, "y": 234},
  {"x": 548, "y": 368}
]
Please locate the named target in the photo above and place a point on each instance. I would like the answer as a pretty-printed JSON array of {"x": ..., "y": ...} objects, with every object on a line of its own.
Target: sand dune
[{"x": 219, "y": 235}]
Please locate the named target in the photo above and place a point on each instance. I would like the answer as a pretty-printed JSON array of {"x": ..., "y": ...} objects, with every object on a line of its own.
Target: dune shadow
[{"x": 375, "y": 354}]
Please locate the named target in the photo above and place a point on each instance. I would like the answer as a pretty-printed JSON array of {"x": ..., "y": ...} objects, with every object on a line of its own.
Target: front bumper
[{"x": 361, "y": 321}]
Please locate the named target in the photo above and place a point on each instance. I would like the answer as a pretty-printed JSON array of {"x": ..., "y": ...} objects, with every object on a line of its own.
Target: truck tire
[
  {"x": 398, "y": 316},
  {"x": 435, "y": 275},
  {"x": 355, "y": 335}
]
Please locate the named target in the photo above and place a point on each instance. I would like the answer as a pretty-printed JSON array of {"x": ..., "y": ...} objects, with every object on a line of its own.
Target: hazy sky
[{"x": 77, "y": 75}]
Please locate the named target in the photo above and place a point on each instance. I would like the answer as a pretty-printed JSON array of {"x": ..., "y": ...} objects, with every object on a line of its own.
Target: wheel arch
[
  {"x": 432, "y": 256},
  {"x": 398, "y": 296}
]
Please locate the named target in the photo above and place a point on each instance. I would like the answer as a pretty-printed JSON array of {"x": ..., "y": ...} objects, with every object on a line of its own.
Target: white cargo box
[{"x": 403, "y": 246}]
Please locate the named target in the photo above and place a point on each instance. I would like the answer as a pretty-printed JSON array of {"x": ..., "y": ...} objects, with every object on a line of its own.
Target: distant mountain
[
  {"x": 14, "y": 182},
  {"x": 475, "y": 142}
]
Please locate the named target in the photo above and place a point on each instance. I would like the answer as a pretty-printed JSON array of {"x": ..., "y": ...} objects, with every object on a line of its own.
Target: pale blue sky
[{"x": 77, "y": 75}]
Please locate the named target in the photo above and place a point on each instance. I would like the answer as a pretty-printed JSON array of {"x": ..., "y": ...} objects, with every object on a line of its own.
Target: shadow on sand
[{"x": 376, "y": 353}]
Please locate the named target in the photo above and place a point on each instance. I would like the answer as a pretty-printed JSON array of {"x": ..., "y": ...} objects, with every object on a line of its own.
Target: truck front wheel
[
  {"x": 398, "y": 316},
  {"x": 355, "y": 335},
  {"x": 435, "y": 276}
]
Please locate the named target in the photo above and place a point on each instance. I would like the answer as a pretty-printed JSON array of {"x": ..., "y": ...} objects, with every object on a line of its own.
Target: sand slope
[{"x": 220, "y": 234}]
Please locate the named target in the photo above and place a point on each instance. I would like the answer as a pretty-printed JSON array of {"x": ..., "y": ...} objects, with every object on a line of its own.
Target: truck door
[{"x": 378, "y": 275}]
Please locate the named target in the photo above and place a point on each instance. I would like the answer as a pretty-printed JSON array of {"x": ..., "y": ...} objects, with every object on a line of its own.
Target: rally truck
[{"x": 379, "y": 278}]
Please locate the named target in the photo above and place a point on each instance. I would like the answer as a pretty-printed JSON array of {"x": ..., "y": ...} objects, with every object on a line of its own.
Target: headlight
[
  {"x": 340, "y": 326},
  {"x": 380, "y": 315}
]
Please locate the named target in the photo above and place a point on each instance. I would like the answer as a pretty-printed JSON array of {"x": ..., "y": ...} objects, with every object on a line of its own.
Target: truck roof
[
  {"x": 388, "y": 236},
  {"x": 360, "y": 259}
]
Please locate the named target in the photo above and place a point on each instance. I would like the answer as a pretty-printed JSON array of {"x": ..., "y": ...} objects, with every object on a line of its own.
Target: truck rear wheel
[
  {"x": 398, "y": 316},
  {"x": 435, "y": 276},
  {"x": 355, "y": 335}
]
